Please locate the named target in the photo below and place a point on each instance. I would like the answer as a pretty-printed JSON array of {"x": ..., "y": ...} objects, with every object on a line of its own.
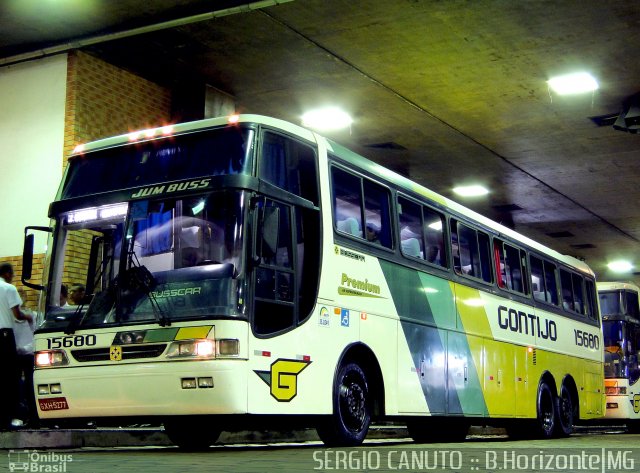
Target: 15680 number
[
  {"x": 586, "y": 339},
  {"x": 68, "y": 342}
]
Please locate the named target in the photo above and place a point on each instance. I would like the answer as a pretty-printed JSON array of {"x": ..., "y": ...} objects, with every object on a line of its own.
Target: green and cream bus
[
  {"x": 244, "y": 272},
  {"x": 620, "y": 310}
]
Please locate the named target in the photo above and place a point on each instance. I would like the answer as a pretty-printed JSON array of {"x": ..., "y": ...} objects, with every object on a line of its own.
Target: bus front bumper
[
  {"x": 620, "y": 407},
  {"x": 143, "y": 389}
]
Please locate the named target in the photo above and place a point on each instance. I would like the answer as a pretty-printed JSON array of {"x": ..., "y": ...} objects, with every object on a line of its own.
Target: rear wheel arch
[{"x": 571, "y": 385}]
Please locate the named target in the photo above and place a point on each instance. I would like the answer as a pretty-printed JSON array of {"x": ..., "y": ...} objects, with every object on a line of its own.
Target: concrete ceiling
[{"x": 457, "y": 88}]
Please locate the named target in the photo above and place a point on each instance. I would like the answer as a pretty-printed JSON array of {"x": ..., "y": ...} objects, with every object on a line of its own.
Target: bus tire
[
  {"x": 191, "y": 434},
  {"x": 547, "y": 413},
  {"x": 425, "y": 430},
  {"x": 565, "y": 413},
  {"x": 349, "y": 424}
]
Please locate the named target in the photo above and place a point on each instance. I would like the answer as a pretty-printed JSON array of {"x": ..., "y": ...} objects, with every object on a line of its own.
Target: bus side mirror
[{"x": 27, "y": 256}]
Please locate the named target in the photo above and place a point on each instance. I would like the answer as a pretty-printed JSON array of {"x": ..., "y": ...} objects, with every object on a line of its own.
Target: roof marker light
[
  {"x": 78, "y": 149},
  {"x": 167, "y": 130},
  {"x": 135, "y": 135},
  {"x": 233, "y": 119},
  {"x": 150, "y": 133}
]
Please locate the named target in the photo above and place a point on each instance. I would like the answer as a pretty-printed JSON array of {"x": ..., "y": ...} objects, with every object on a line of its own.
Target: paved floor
[{"x": 600, "y": 452}]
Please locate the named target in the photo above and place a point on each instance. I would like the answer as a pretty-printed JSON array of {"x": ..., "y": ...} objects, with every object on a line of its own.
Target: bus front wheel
[
  {"x": 349, "y": 424},
  {"x": 191, "y": 434}
]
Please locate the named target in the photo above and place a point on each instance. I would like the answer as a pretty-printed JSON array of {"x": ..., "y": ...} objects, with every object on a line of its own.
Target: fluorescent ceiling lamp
[
  {"x": 577, "y": 83},
  {"x": 327, "y": 119},
  {"x": 471, "y": 191},
  {"x": 620, "y": 266}
]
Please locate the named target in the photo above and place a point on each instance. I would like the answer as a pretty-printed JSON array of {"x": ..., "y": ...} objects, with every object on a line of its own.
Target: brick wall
[
  {"x": 101, "y": 100},
  {"x": 31, "y": 298}
]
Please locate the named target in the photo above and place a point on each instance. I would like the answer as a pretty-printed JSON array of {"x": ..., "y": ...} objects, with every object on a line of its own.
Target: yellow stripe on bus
[{"x": 186, "y": 333}]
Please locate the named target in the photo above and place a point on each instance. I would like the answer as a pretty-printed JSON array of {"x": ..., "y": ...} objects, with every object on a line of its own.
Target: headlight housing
[
  {"x": 615, "y": 390},
  {"x": 50, "y": 358},
  {"x": 204, "y": 348}
]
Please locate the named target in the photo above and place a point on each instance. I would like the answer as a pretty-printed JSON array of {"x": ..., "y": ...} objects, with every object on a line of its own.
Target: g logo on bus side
[{"x": 285, "y": 374}]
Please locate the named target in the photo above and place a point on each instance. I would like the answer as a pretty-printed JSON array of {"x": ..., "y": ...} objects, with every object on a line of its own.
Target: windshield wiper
[{"x": 139, "y": 279}]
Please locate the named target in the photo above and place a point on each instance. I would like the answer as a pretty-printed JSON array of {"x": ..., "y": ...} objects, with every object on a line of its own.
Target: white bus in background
[{"x": 620, "y": 310}]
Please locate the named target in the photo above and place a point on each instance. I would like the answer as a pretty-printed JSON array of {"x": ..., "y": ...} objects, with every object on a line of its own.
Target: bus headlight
[
  {"x": 192, "y": 349},
  {"x": 51, "y": 358},
  {"x": 205, "y": 348}
]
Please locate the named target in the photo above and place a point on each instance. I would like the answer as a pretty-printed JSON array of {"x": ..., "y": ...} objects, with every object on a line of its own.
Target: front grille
[{"x": 128, "y": 352}]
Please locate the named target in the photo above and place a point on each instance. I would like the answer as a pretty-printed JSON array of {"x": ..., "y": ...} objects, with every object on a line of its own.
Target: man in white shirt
[{"x": 9, "y": 311}]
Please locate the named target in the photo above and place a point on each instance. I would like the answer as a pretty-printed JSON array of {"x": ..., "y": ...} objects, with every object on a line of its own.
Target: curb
[{"x": 145, "y": 437}]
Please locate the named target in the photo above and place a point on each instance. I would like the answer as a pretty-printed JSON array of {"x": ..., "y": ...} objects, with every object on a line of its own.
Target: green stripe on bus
[{"x": 160, "y": 335}]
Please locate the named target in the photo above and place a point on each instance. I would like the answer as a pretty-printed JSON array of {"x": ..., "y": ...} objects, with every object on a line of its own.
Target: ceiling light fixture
[
  {"x": 327, "y": 119},
  {"x": 620, "y": 266},
  {"x": 474, "y": 190},
  {"x": 576, "y": 83}
]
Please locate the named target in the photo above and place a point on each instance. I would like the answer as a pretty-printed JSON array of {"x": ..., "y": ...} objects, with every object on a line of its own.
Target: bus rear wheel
[
  {"x": 191, "y": 433},
  {"x": 349, "y": 424},
  {"x": 547, "y": 412},
  {"x": 566, "y": 413}
]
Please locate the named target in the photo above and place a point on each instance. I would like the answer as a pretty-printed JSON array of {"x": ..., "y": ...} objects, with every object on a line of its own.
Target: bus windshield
[
  {"x": 622, "y": 349},
  {"x": 621, "y": 302},
  {"x": 152, "y": 260},
  {"x": 220, "y": 151}
]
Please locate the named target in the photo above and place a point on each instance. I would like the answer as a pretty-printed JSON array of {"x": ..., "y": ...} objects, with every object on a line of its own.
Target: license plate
[{"x": 53, "y": 404}]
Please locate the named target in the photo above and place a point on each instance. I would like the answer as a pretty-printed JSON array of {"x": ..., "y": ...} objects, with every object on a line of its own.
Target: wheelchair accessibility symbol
[{"x": 344, "y": 318}]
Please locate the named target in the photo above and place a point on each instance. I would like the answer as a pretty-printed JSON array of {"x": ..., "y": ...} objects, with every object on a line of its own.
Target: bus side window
[
  {"x": 543, "y": 280},
  {"x": 433, "y": 229},
  {"x": 376, "y": 214},
  {"x": 290, "y": 165},
  {"x": 590, "y": 305},
  {"x": 578, "y": 294},
  {"x": 550, "y": 283},
  {"x": 473, "y": 253},
  {"x": 410, "y": 225},
  {"x": 347, "y": 203},
  {"x": 567, "y": 294},
  {"x": 537, "y": 279},
  {"x": 509, "y": 267}
]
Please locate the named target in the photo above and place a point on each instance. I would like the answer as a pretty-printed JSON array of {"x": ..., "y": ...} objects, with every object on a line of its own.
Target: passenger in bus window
[
  {"x": 372, "y": 234},
  {"x": 76, "y": 294}
]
